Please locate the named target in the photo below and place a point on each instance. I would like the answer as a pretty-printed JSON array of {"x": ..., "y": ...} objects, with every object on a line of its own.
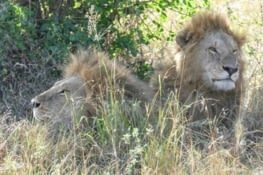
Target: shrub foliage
[{"x": 37, "y": 36}]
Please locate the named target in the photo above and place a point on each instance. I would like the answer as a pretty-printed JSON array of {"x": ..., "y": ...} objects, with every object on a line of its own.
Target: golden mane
[
  {"x": 92, "y": 66},
  {"x": 206, "y": 21},
  {"x": 99, "y": 74}
]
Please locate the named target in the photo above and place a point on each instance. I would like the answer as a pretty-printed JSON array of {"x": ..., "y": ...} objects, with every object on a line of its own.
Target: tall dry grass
[{"x": 162, "y": 142}]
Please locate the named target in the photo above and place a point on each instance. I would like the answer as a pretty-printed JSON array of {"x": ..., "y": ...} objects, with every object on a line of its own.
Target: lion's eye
[
  {"x": 63, "y": 91},
  {"x": 212, "y": 50},
  {"x": 234, "y": 51}
]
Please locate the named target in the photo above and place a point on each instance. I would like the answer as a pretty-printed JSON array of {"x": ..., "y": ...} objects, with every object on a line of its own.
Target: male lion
[
  {"x": 206, "y": 71},
  {"x": 89, "y": 79}
]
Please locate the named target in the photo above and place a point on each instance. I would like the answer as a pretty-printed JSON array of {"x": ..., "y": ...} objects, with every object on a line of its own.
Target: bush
[
  {"x": 118, "y": 27},
  {"x": 37, "y": 36}
]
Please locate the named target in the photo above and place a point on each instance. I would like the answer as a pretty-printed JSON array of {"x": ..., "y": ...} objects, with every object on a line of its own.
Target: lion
[
  {"x": 206, "y": 71},
  {"x": 88, "y": 80}
]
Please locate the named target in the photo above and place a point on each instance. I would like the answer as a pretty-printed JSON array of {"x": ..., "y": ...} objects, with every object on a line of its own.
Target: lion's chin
[{"x": 224, "y": 85}]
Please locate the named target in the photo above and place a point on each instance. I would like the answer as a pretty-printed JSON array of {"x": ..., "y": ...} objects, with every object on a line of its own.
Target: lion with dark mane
[
  {"x": 207, "y": 70},
  {"x": 89, "y": 77}
]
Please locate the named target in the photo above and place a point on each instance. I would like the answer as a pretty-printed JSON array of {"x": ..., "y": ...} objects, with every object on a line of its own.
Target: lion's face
[
  {"x": 221, "y": 57},
  {"x": 61, "y": 100},
  {"x": 217, "y": 60}
]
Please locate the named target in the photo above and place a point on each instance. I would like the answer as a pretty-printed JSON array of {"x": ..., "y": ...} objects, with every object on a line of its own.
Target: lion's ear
[{"x": 183, "y": 37}]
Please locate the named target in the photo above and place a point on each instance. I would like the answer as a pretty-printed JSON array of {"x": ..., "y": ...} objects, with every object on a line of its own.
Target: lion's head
[
  {"x": 60, "y": 98},
  {"x": 208, "y": 64},
  {"x": 88, "y": 78},
  {"x": 212, "y": 52}
]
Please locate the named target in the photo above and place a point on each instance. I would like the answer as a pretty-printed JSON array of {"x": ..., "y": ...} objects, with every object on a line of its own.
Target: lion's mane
[{"x": 100, "y": 74}]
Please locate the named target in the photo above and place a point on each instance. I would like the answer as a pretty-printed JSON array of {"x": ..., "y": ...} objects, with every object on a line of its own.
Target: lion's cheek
[{"x": 74, "y": 109}]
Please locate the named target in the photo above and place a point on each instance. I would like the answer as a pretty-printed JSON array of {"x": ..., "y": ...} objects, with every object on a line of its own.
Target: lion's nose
[
  {"x": 35, "y": 103},
  {"x": 230, "y": 70}
]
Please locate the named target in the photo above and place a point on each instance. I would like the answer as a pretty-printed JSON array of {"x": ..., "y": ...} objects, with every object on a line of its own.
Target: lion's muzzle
[{"x": 35, "y": 103}]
